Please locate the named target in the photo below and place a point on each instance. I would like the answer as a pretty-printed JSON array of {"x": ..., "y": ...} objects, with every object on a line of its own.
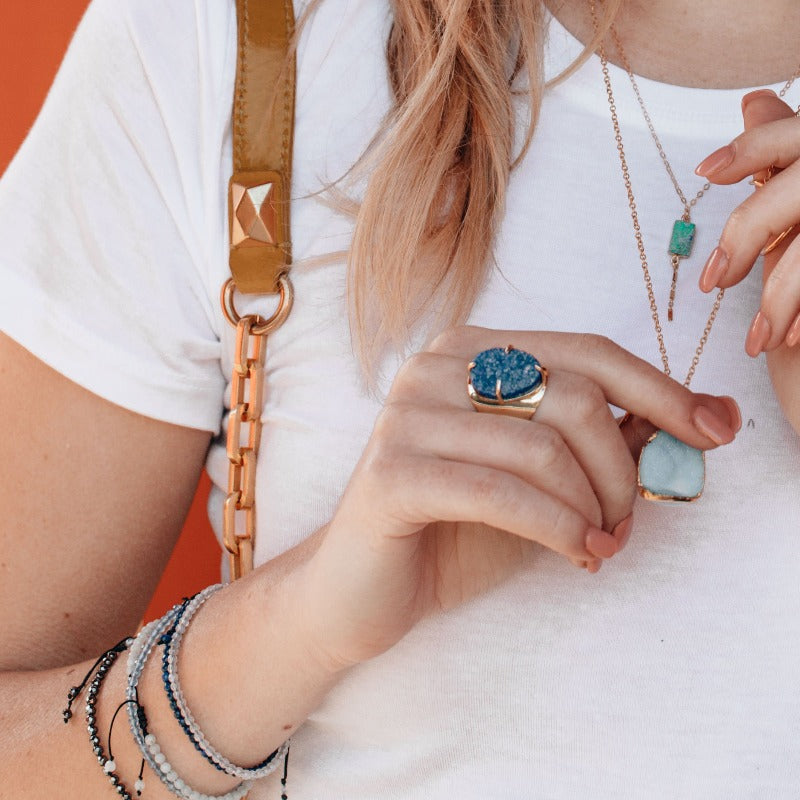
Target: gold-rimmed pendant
[{"x": 670, "y": 470}]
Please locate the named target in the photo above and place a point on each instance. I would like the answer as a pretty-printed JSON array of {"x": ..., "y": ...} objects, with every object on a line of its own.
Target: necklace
[
  {"x": 668, "y": 468},
  {"x": 683, "y": 229}
]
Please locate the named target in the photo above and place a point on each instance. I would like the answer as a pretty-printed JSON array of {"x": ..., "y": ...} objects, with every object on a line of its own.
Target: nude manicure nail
[
  {"x": 793, "y": 334},
  {"x": 622, "y": 532},
  {"x": 758, "y": 335},
  {"x": 757, "y": 93},
  {"x": 601, "y": 544},
  {"x": 710, "y": 425},
  {"x": 736, "y": 414},
  {"x": 593, "y": 567},
  {"x": 716, "y": 161},
  {"x": 714, "y": 270}
]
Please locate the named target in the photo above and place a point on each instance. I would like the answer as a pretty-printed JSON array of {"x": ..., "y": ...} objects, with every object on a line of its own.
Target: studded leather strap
[{"x": 263, "y": 128}]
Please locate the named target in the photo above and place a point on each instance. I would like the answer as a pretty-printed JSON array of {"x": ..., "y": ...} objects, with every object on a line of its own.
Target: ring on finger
[
  {"x": 760, "y": 183},
  {"x": 505, "y": 380}
]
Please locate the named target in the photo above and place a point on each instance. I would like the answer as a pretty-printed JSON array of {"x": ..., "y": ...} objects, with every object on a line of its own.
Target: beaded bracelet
[
  {"x": 172, "y": 642},
  {"x": 100, "y": 670},
  {"x": 148, "y": 639}
]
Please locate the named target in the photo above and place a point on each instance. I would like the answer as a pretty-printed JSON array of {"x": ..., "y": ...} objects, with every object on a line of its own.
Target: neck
[{"x": 719, "y": 44}]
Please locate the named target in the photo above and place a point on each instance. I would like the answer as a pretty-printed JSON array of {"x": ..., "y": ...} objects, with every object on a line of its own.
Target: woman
[{"x": 413, "y": 622}]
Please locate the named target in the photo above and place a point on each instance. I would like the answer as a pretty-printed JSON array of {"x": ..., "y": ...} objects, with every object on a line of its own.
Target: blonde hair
[{"x": 439, "y": 168}]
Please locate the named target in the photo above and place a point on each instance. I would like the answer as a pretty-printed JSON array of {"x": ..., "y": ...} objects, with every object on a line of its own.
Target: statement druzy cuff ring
[{"x": 504, "y": 380}]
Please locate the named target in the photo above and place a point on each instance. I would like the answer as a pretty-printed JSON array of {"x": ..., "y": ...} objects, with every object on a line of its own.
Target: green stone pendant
[{"x": 682, "y": 238}]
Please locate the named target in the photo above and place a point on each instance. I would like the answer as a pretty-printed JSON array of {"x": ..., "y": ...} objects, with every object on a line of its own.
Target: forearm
[{"x": 248, "y": 674}]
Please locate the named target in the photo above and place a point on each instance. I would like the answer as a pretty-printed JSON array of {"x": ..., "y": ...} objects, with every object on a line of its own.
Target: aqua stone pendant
[
  {"x": 670, "y": 470},
  {"x": 682, "y": 238}
]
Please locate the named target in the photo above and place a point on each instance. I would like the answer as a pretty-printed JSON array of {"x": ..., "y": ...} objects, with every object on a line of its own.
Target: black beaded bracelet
[{"x": 100, "y": 670}]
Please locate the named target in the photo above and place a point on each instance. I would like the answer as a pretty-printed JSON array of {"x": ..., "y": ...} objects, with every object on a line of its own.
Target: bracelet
[
  {"x": 150, "y": 636},
  {"x": 100, "y": 669},
  {"x": 169, "y": 673}
]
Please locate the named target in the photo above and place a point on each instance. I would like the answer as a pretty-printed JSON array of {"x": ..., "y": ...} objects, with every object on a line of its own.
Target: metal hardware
[{"x": 244, "y": 422}]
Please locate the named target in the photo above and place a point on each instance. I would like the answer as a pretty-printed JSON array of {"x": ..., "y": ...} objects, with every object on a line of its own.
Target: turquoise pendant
[
  {"x": 682, "y": 238},
  {"x": 670, "y": 470}
]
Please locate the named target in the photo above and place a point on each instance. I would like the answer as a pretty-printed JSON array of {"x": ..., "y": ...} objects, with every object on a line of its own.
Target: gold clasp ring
[{"x": 262, "y": 326}]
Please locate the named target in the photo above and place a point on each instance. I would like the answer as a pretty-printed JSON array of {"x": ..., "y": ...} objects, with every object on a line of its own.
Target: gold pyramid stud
[{"x": 255, "y": 219}]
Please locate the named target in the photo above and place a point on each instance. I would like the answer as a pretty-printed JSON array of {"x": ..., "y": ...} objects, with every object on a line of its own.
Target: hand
[
  {"x": 771, "y": 139},
  {"x": 446, "y": 502}
]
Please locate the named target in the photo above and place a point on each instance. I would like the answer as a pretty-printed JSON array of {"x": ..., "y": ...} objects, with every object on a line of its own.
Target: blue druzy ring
[{"x": 504, "y": 380}]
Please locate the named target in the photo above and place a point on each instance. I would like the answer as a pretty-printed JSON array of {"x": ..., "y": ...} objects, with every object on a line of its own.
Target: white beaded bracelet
[
  {"x": 145, "y": 642},
  {"x": 184, "y": 715}
]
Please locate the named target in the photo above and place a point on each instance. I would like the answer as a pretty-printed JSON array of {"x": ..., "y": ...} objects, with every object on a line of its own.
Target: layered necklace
[
  {"x": 669, "y": 470},
  {"x": 683, "y": 229}
]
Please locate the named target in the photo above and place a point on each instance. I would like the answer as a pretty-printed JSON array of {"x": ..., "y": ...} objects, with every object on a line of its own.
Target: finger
[
  {"x": 751, "y": 226},
  {"x": 751, "y": 153},
  {"x": 759, "y": 108},
  {"x": 780, "y": 298},
  {"x": 577, "y": 408},
  {"x": 771, "y": 138},
  {"x": 771, "y": 209},
  {"x": 626, "y": 380},
  {"x": 433, "y": 489},
  {"x": 763, "y": 106},
  {"x": 636, "y": 432},
  {"x": 534, "y": 452},
  {"x": 592, "y": 567},
  {"x": 780, "y": 304}
]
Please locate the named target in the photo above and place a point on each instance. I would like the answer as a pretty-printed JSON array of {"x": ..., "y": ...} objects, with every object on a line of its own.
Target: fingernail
[
  {"x": 601, "y": 544},
  {"x": 714, "y": 270},
  {"x": 622, "y": 532},
  {"x": 594, "y": 566},
  {"x": 733, "y": 409},
  {"x": 709, "y": 424},
  {"x": 758, "y": 335},
  {"x": 716, "y": 161},
  {"x": 793, "y": 334},
  {"x": 757, "y": 93}
]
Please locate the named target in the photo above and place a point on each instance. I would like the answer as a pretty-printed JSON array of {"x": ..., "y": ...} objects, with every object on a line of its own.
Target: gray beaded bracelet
[
  {"x": 145, "y": 642},
  {"x": 184, "y": 716}
]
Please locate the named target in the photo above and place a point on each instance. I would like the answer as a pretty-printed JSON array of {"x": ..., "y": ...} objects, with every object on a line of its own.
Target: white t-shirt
[{"x": 671, "y": 674}]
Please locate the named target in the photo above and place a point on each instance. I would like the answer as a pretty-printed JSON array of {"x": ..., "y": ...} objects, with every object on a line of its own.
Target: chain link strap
[{"x": 244, "y": 423}]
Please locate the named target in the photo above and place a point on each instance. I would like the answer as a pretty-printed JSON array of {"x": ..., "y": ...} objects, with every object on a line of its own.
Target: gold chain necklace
[
  {"x": 640, "y": 242},
  {"x": 668, "y": 468},
  {"x": 683, "y": 229}
]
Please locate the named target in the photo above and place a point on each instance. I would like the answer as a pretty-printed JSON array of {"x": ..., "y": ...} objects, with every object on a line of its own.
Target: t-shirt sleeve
[{"x": 107, "y": 214}]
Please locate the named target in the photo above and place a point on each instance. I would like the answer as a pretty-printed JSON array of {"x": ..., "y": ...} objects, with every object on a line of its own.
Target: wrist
[{"x": 248, "y": 670}]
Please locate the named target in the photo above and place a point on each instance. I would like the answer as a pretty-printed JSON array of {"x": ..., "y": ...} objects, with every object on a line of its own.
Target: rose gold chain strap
[{"x": 244, "y": 423}]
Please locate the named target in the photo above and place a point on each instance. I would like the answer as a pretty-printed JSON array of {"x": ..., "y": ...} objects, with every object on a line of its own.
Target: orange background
[{"x": 33, "y": 38}]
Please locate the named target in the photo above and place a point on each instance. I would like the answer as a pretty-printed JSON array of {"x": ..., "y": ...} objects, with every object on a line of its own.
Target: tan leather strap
[{"x": 263, "y": 131}]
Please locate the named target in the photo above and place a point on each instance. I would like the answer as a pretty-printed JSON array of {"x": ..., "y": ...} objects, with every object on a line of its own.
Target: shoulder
[{"x": 174, "y": 42}]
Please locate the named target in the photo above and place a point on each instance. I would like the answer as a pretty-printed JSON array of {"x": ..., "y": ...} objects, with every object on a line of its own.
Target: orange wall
[{"x": 33, "y": 38}]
